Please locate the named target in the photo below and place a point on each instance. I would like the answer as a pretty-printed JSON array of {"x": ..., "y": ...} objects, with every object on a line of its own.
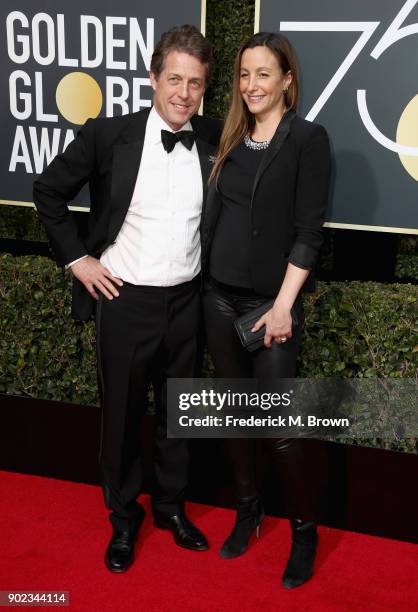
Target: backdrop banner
[
  {"x": 62, "y": 63},
  {"x": 359, "y": 67}
]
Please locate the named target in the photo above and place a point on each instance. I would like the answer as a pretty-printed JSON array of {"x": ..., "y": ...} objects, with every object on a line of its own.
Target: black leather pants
[{"x": 221, "y": 307}]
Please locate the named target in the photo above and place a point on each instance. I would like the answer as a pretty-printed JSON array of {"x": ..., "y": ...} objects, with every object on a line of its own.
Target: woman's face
[{"x": 262, "y": 81}]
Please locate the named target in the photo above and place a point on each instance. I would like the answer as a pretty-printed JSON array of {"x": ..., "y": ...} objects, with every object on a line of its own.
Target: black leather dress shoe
[
  {"x": 120, "y": 552},
  {"x": 184, "y": 532}
]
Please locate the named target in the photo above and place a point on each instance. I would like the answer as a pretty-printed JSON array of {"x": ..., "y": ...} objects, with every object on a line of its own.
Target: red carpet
[{"x": 54, "y": 533}]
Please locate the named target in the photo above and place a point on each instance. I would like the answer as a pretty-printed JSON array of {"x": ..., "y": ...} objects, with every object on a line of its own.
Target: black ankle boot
[
  {"x": 299, "y": 567},
  {"x": 250, "y": 515}
]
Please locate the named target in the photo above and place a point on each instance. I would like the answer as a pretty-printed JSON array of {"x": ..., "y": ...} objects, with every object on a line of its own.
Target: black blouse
[{"x": 230, "y": 252}]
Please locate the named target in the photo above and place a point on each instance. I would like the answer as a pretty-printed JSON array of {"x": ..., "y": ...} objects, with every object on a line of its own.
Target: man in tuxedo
[{"x": 137, "y": 272}]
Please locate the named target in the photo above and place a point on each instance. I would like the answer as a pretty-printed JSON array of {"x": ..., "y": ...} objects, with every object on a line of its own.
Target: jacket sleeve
[
  {"x": 311, "y": 198},
  {"x": 58, "y": 184}
]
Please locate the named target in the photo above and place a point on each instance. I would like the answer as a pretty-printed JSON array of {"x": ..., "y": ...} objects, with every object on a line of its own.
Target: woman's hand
[{"x": 278, "y": 322}]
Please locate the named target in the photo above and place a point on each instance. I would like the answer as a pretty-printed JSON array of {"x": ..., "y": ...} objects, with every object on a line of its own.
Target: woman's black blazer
[{"x": 288, "y": 204}]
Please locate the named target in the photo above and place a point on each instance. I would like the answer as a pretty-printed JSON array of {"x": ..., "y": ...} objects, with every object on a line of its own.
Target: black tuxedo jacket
[
  {"x": 288, "y": 204},
  {"x": 106, "y": 153}
]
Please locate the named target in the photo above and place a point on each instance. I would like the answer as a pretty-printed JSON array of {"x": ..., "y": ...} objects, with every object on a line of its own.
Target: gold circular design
[
  {"x": 407, "y": 134},
  {"x": 78, "y": 97}
]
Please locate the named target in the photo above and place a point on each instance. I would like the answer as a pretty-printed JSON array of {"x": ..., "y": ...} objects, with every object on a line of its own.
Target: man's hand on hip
[{"x": 92, "y": 274}]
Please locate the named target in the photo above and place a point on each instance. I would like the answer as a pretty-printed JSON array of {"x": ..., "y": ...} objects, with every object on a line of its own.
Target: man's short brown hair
[{"x": 185, "y": 39}]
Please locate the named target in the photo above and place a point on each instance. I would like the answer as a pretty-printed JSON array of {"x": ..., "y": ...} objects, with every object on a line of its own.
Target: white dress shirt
[{"x": 159, "y": 241}]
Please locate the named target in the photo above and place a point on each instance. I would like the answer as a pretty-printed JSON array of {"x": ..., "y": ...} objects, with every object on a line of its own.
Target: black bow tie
[{"x": 169, "y": 139}]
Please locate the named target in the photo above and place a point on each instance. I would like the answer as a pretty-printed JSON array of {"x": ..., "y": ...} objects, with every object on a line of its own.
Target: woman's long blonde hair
[{"x": 239, "y": 120}]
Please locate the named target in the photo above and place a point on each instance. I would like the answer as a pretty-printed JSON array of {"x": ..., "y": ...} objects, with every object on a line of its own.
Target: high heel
[
  {"x": 299, "y": 567},
  {"x": 250, "y": 515}
]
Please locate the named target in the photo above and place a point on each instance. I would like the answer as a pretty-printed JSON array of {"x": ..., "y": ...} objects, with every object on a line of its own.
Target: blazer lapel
[
  {"x": 125, "y": 165},
  {"x": 275, "y": 146}
]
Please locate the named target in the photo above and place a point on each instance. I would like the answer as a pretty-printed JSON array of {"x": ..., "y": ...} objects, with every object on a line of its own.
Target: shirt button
[{"x": 255, "y": 232}]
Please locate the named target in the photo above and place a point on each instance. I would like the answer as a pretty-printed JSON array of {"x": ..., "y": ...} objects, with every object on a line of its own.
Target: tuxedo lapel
[
  {"x": 205, "y": 151},
  {"x": 127, "y": 154},
  {"x": 274, "y": 148},
  {"x": 125, "y": 165},
  {"x": 210, "y": 213}
]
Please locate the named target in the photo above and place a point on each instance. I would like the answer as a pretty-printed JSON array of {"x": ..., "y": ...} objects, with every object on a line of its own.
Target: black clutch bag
[{"x": 244, "y": 324}]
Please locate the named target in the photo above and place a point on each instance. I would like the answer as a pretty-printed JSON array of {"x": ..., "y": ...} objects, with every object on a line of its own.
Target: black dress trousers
[{"x": 146, "y": 334}]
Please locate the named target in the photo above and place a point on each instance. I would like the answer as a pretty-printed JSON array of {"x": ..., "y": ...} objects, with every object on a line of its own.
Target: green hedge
[
  {"x": 407, "y": 258},
  {"x": 42, "y": 353},
  {"x": 228, "y": 24},
  {"x": 352, "y": 330},
  {"x": 21, "y": 223}
]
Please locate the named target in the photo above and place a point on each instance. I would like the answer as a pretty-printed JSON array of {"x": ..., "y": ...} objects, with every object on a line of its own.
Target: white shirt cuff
[{"x": 68, "y": 266}]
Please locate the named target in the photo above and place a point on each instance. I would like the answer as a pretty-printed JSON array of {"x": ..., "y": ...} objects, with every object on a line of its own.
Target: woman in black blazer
[{"x": 261, "y": 234}]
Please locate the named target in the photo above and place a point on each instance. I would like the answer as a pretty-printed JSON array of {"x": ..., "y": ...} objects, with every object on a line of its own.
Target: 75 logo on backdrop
[{"x": 407, "y": 129}]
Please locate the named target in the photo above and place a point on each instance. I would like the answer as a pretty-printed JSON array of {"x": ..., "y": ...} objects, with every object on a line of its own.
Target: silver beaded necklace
[{"x": 254, "y": 145}]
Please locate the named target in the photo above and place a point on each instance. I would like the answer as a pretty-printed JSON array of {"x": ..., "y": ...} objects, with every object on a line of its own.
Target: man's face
[{"x": 179, "y": 88}]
